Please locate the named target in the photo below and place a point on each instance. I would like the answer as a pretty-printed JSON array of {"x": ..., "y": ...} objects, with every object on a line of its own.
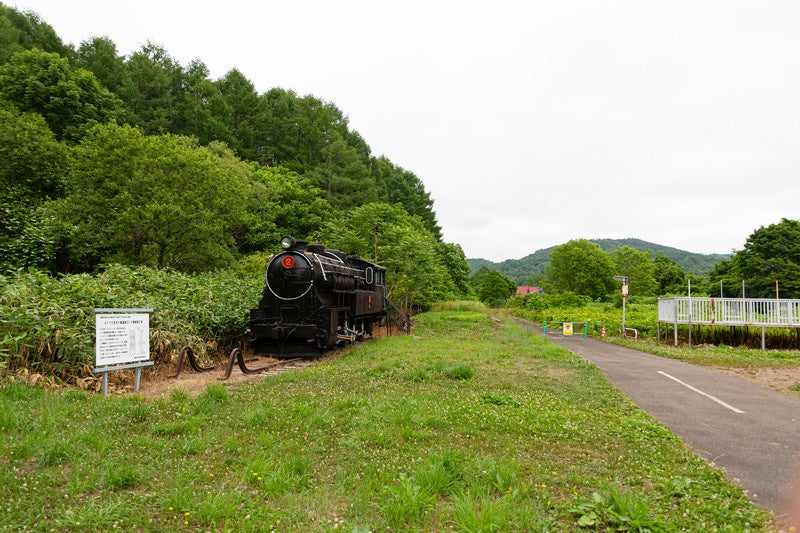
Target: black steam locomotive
[{"x": 314, "y": 300}]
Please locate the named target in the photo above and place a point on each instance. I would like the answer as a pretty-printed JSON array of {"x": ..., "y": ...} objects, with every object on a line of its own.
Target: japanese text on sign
[{"x": 122, "y": 338}]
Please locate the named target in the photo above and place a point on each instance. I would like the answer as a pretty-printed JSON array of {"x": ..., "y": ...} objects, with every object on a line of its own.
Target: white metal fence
[{"x": 772, "y": 312}]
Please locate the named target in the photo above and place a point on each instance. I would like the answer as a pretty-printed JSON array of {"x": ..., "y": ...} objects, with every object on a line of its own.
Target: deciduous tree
[
  {"x": 386, "y": 234},
  {"x": 70, "y": 100},
  {"x": 496, "y": 289},
  {"x": 771, "y": 254},
  {"x": 290, "y": 204},
  {"x": 582, "y": 267},
  {"x": 153, "y": 200},
  {"x": 32, "y": 167},
  {"x": 670, "y": 276},
  {"x": 639, "y": 269},
  {"x": 25, "y": 30}
]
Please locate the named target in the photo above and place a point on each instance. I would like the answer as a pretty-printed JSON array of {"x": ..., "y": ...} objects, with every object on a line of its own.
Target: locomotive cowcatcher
[{"x": 314, "y": 300}]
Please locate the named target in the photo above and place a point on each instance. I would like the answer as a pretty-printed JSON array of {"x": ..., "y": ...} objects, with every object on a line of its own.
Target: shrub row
[{"x": 48, "y": 323}]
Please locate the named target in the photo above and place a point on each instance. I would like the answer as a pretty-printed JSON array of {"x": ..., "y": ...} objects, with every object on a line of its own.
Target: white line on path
[{"x": 698, "y": 391}]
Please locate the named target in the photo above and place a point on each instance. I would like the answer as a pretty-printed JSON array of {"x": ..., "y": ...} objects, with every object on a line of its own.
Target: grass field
[{"x": 469, "y": 425}]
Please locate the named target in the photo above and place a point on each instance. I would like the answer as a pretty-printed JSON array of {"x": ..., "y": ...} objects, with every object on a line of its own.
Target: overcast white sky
[{"x": 530, "y": 122}]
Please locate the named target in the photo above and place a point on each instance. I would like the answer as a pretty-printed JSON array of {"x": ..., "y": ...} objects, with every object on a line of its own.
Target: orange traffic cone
[{"x": 603, "y": 333}]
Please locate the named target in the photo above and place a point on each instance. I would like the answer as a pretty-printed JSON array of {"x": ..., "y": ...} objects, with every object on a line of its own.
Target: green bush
[{"x": 49, "y": 322}]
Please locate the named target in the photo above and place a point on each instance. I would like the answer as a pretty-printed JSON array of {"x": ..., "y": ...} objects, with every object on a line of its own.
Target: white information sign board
[{"x": 121, "y": 338}]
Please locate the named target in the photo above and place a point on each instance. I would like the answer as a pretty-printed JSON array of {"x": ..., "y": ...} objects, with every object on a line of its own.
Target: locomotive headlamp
[{"x": 287, "y": 242}]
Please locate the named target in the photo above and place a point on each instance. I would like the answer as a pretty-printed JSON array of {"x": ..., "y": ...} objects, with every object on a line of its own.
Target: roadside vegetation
[
  {"x": 48, "y": 323},
  {"x": 472, "y": 424},
  {"x": 711, "y": 346}
]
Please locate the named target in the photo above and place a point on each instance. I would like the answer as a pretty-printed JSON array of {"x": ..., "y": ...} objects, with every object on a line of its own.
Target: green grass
[
  {"x": 470, "y": 425},
  {"x": 709, "y": 355}
]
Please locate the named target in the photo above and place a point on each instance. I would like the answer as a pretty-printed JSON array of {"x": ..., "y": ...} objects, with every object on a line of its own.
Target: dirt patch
[
  {"x": 161, "y": 385},
  {"x": 783, "y": 380}
]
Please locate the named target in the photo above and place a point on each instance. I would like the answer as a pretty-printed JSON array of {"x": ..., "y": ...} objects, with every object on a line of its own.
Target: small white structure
[{"x": 758, "y": 312}]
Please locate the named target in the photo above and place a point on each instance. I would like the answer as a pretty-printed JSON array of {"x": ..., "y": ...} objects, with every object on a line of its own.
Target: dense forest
[{"x": 142, "y": 161}]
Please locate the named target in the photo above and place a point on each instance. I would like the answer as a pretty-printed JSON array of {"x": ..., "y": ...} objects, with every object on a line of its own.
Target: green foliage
[
  {"x": 618, "y": 511},
  {"x": 31, "y": 166},
  {"x": 406, "y": 504},
  {"x": 494, "y": 288},
  {"x": 70, "y": 100},
  {"x": 416, "y": 274},
  {"x": 459, "y": 372},
  {"x": 49, "y": 324},
  {"x": 151, "y": 89},
  {"x": 158, "y": 201},
  {"x": 769, "y": 262},
  {"x": 403, "y": 187},
  {"x": 242, "y": 115},
  {"x": 25, "y": 30},
  {"x": 344, "y": 174},
  {"x": 638, "y": 268},
  {"x": 544, "y": 302},
  {"x": 669, "y": 275},
  {"x": 99, "y": 56},
  {"x": 460, "y": 305},
  {"x": 533, "y": 266},
  {"x": 582, "y": 267},
  {"x": 454, "y": 261}
]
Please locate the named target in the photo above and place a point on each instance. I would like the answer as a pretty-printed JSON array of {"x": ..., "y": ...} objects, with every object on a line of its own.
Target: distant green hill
[{"x": 534, "y": 264}]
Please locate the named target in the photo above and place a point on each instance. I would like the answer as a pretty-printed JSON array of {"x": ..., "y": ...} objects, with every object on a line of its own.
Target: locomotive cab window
[{"x": 369, "y": 276}]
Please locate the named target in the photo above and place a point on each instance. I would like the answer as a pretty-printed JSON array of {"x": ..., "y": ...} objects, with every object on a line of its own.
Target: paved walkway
[{"x": 752, "y": 433}]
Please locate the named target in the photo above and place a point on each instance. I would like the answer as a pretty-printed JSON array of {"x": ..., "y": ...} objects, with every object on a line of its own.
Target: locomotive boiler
[{"x": 315, "y": 299}]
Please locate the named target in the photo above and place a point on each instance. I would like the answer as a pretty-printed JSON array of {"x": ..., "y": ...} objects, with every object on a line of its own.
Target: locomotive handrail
[
  {"x": 405, "y": 325},
  {"x": 321, "y": 268}
]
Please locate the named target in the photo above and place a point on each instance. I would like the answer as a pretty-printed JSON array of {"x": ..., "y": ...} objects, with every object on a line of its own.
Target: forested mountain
[
  {"x": 534, "y": 265},
  {"x": 140, "y": 160}
]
